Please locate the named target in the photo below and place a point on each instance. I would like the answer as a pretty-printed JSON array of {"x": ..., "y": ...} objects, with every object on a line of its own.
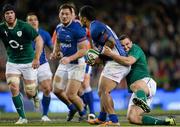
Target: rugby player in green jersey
[
  {"x": 17, "y": 37},
  {"x": 139, "y": 82}
]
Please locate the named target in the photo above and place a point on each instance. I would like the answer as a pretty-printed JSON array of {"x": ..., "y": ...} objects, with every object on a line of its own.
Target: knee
[
  {"x": 13, "y": 83},
  {"x": 31, "y": 89},
  {"x": 71, "y": 96},
  {"x": 57, "y": 91},
  {"x": 47, "y": 89},
  {"x": 14, "y": 88}
]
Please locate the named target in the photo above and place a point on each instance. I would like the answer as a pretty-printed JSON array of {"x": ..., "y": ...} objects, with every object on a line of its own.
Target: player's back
[{"x": 101, "y": 32}]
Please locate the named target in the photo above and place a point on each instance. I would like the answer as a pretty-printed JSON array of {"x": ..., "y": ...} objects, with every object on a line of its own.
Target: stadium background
[{"x": 154, "y": 25}]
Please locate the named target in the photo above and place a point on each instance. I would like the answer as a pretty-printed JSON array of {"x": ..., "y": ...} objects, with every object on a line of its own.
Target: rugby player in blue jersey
[
  {"x": 44, "y": 75},
  {"x": 113, "y": 72},
  {"x": 71, "y": 41}
]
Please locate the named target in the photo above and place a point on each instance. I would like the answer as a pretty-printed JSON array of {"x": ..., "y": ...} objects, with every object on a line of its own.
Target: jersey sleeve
[
  {"x": 135, "y": 52},
  {"x": 80, "y": 33},
  {"x": 31, "y": 32},
  {"x": 99, "y": 33},
  {"x": 48, "y": 41}
]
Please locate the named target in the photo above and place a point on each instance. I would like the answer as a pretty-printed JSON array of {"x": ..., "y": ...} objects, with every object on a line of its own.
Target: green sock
[
  {"x": 149, "y": 120},
  {"x": 141, "y": 94},
  {"x": 17, "y": 100}
]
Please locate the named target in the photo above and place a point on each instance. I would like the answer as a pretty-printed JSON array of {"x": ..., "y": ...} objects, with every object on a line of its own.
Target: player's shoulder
[
  {"x": 41, "y": 30},
  {"x": 59, "y": 26},
  {"x": 76, "y": 24},
  {"x": 23, "y": 24},
  {"x": 2, "y": 24}
]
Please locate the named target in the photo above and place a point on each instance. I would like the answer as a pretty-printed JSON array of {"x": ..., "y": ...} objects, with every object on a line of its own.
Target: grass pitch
[{"x": 59, "y": 119}]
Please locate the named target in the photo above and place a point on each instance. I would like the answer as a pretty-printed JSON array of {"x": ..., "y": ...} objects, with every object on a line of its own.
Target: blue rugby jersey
[
  {"x": 47, "y": 41},
  {"x": 100, "y": 33},
  {"x": 69, "y": 36}
]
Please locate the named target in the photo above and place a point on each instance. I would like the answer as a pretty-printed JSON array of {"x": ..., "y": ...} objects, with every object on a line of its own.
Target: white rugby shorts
[
  {"x": 70, "y": 71},
  {"x": 115, "y": 71},
  {"x": 44, "y": 72},
  {"x": 25, "y": 70},
  {"x": 152, "y": 89}
]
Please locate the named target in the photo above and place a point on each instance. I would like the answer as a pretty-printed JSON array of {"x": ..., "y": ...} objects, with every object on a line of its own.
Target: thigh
[
  {"x": 28, "y": 72},
  {"x": 44, "y": 72},
  {"x": 12, "y": 69},
  {"x": 73, "y": 87},
  {"x": 61, "y": 77},
  {"x": 76, "y": 72},
  {"x": 106, "y": 84}
]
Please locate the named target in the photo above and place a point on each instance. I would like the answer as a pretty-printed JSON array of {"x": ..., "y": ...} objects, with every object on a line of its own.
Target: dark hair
[
  {"x": 88, "y": 12},
  {"x": 123, "y": 36},
  {"x": 66, "y": 6},
  {"x": 8, "y": 7}
]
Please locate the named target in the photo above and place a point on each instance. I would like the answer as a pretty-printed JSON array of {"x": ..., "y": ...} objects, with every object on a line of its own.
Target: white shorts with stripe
[{"x": 152, "y": 89}]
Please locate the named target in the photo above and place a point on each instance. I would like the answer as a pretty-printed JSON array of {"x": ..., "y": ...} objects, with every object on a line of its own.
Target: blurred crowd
[{"x": 154, "y": 25}]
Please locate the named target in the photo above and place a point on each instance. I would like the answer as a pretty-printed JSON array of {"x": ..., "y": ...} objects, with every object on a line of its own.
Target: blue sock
[
  {"x": 82, "y": 113},
  {"x": 102, "y": 116},
  {"x": 113, "y": 118},
  {"x": 45, "y": 104},
  {"x": 89, "y": 100},
  {"x": 72, "y": 107}
]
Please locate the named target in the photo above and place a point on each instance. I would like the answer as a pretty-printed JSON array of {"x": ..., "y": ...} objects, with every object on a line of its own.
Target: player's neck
[{"x": 11, "y": 25}]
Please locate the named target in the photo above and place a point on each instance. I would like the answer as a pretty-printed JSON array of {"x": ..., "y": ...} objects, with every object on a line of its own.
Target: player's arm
[
  {"x": 110, "y": 42},
  {"x": 39, "y": 45},
  {"x": 56, "y": 50},
  {"x": 127, "y": 61},
  {"x": 82, "y": 48}
]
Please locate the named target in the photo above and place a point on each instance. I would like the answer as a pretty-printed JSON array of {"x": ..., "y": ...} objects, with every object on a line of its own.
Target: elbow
[{"x": 127, "y": 63}]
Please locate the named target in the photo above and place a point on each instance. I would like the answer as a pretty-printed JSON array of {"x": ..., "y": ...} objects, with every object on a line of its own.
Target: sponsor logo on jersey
[{"x": 65, "y": 45}]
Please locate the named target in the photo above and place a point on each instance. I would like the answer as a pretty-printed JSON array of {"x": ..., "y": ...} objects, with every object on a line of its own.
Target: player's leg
[
  {"x": 13, "y": 81},
  {"x": 75, "y": 78},
  {"x": 141, "y": 90},
  {"x": 59, "y": 86},
  {"x": 135, "y": 113},
  {"x": 88, "y": 93},
  {"x": 106, "y": 85},
  {"x": 112, "y": 74},
  {"x": 30, "y": 86},
  {"x": 45, "y": 85}
]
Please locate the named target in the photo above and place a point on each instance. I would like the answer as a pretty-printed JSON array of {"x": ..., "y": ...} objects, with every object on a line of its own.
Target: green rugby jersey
[
  {"x": 18, "y": 41},
  {"x": 139, "y": 69}
]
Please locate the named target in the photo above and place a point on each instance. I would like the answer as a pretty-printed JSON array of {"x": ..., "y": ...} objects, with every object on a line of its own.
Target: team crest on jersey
[{"x": 19, "y": 33}]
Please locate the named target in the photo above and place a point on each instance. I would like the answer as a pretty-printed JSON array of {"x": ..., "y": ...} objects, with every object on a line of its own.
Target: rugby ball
[{"x": 91, "y": 56}]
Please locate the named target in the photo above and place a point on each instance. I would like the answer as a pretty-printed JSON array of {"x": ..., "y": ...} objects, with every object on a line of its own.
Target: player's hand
[
  {"x": 54, "y": 55},
  {"x": 65, "y": 60},
  {"x": 35, "y": 63},
  {"x": 107, "y": 51}
]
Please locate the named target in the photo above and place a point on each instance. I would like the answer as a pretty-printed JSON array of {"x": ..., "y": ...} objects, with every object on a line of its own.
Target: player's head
[
  {"x": 65, "y": 13},
  {"x": 9, "y": 13},
  {"x": 73, "y": 10},
  {"x": 125, "y": 42},
  {"x": 87, "y": 14},
  {"x": 32, "y": 19}
]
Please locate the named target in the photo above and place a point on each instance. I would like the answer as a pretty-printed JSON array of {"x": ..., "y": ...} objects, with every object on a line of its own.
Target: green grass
[{"x": 59, "y": 119}]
